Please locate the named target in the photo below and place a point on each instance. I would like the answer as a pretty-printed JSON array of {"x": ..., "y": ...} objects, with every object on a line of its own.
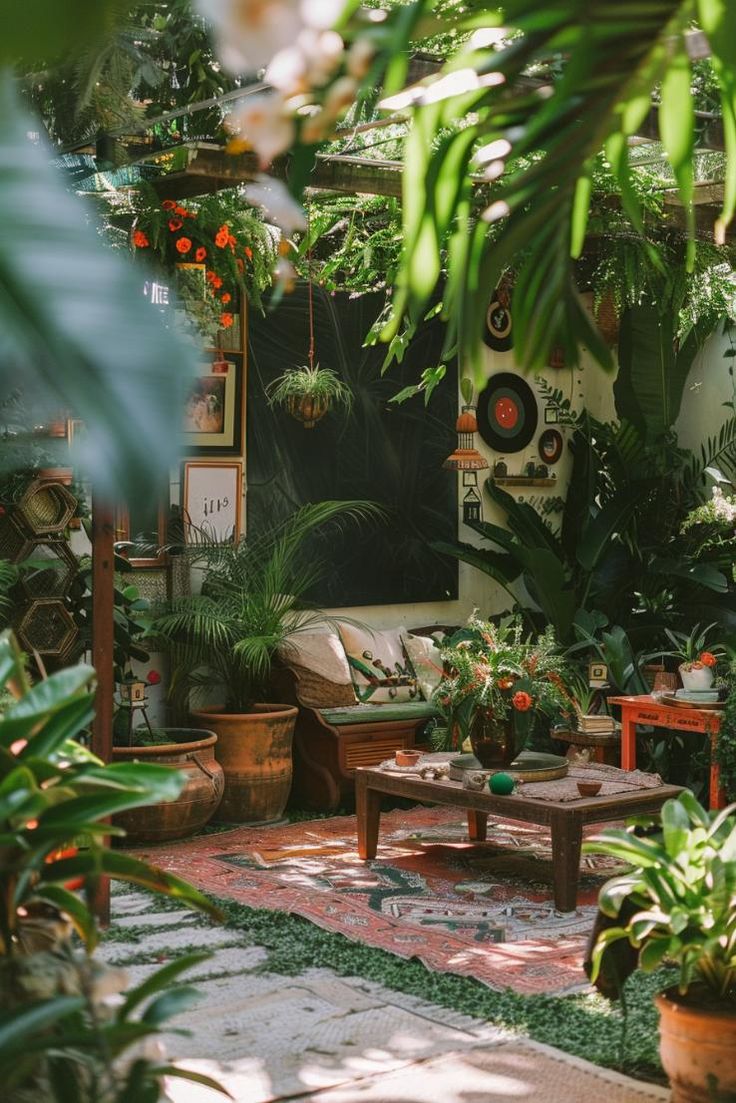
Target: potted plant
[
  {"x": 226, "y": 638},
  {"x": 677, "y": 905},
  {"x": 699, "y": 661},
  {"x": 496, "y": 680},
  {"x": 308, "y": 392}
]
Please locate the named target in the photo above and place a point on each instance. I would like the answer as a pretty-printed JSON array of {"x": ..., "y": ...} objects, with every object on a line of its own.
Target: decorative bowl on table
[
  {"x": 589, "y": 788},
  {"x": 407, "y": 758}
]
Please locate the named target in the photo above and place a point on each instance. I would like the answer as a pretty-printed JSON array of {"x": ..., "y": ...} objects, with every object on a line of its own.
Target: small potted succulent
[
  {"x": 495, "y": 682},
  {"x": 308, "y": 392},
  {"x": 677, "y": 905}
]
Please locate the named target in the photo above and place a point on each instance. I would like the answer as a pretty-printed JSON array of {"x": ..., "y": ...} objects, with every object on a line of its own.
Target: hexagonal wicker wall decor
[
  {"x": 53, "y": 571},
  {"x": 14, "y": 539},
  {"x": 48, "y": 628},
  {"x": 46, "y": 508}
]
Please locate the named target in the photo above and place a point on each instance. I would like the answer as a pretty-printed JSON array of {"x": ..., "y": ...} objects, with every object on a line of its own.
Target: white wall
[{"x": 709, "y": 385}]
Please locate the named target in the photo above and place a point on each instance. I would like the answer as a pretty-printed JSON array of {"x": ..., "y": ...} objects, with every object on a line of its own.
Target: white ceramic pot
[{"x": 697, "y": 677}]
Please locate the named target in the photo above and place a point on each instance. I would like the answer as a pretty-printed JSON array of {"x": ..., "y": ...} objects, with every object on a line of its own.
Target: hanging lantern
[
  {"x": 467, "y": 458},
  {"x": 472, "y": 507}
]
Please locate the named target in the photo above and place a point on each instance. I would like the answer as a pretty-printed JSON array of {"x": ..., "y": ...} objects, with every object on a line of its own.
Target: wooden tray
[
  {"x": 529, "y": 766},
  {"x": 679, "y": 703}
]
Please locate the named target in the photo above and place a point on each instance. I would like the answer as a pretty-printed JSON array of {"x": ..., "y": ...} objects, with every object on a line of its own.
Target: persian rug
[{"x": 477, "y": 909}]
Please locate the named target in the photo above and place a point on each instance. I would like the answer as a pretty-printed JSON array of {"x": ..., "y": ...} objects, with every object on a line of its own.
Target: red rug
[{"x": 483, "y": 910}]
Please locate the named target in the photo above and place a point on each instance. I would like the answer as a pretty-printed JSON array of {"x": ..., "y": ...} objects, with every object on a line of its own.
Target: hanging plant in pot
[
  {"x": 226, "y": 638},
  {"x": 496, "y": 682},
  {"x": 676, "y": 905},
  {"x": 309, "y": 392}
]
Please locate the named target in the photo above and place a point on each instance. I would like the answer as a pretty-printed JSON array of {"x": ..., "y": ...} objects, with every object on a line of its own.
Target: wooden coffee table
[{"x": 564, "y": 818}]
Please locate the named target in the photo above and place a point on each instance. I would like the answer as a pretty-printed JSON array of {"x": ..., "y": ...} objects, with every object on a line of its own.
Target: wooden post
[{"x": 103, "y": 588}]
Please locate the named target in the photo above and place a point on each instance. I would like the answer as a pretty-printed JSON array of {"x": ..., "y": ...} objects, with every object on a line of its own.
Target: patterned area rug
[{"x": 477, "y": 909}]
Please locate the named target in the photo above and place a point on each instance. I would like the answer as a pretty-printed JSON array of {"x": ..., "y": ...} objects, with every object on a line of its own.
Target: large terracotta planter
[
  {"x": 192, "y": 751},
  {"x": 254, "y": 749},
  {"x": 697, "y": 1047}
]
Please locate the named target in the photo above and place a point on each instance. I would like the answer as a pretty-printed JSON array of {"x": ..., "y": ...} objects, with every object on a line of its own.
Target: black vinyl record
[
  {"x": 507, "y": 413},
  {"x": 498, "y": 332}
]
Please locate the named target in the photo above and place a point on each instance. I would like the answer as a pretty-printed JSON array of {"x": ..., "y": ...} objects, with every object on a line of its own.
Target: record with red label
[
  {"x": 507, "y": 413},
  {"x": 498, "y": 333}
]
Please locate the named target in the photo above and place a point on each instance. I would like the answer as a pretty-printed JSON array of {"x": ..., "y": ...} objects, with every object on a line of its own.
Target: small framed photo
[
  {"x": 213, "y": 413},
  {"x": 551, "y": 415},
  {"x": 212, "y": 500},
  {"x": 597, "y": 675}
]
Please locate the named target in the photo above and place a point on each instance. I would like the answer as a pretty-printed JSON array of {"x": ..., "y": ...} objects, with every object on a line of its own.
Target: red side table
[{"x": 645, "y": 710}]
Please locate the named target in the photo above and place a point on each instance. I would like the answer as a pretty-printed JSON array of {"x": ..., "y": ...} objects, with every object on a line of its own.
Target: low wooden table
[
  {"x": 564, "y": 818},
  {"x": 643, "y": 709}
]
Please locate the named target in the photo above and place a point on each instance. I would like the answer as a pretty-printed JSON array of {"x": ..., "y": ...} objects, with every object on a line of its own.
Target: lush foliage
[
  {"x": 499, "y": 669},
  {"x": 680, "y": 897},
  {"x": 59, "y": 1037},
  {"x": 322, "y": 384},
  {"x": 252, "y": 600}
]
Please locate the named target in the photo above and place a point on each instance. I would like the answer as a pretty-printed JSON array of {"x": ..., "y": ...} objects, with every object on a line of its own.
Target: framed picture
[
  {"x": 597, "y": 675},
  {"x": 212, "y": 499},
  {"x": 550, "y": 415},
  {"x": 213, "y": 414}
]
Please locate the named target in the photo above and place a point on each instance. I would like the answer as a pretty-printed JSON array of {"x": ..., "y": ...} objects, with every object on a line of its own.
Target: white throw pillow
[
  {"x": 426, "y": 659},
  {"x": 380, "y": 669}
]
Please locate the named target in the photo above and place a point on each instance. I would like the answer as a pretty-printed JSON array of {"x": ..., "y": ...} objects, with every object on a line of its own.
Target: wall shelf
[{"x": 522, "y": 480}]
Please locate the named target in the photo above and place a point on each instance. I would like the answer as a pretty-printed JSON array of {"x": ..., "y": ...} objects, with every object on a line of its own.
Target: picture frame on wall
[
  {"x": 213, "y": 416},
  {"x": 211, "y": 500}
]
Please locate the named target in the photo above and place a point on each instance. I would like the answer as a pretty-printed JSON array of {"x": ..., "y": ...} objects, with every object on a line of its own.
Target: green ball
[{"x": 501, "y": 784}]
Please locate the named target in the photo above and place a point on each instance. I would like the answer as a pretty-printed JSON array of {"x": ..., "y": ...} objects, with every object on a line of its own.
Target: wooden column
[{"x": 103, "y": 588}]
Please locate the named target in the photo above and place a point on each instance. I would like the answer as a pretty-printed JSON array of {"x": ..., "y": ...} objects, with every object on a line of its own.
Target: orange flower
[
  {"x": 248, "y": 253},
  {"x": 168, "y": 205},
  {"x": 226, "y": 320},
  {"x": 707, "y": 658},
  {"x": 521, "y": 701},
  {"x": 182, "y": 211},
  {"x": 183, "y": 245},
  {"x": 232, "y": 242},
  {"x": 200, "y": 255},
  {"x": 210, "y": 276},
  {"x": 221, "y": 237},
  {"x": 140, "y": 240},
  {"x": 226, "y": 297},
  {"x": 175, "y": 224},
  {"x": 217, "y": 283},
  {"x": 505, "y": 683}
]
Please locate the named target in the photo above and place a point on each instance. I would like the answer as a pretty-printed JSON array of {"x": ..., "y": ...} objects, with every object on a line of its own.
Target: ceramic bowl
[
  {"x": 407, "y": 758},
  {"x": 589, "y": 788}
]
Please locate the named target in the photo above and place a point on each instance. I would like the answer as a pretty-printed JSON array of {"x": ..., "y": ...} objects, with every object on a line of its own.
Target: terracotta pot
[
  {"x": 307, "y": 409},
  {"x": 254, "y": 749},
  {"x": 698, "y": 678},
  {"x": 492, "y": 740},
  {"x": 192, "y": 751},
  {"x": 697, "y": 1047},
  {"x": 63, "y": 475}
]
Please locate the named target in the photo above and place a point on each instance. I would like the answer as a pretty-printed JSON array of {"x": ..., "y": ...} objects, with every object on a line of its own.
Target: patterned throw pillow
[
  {"x": 317, "y": 658},
  {"x": 380, "y": 669},
  {"x": 425, "y": 658}
]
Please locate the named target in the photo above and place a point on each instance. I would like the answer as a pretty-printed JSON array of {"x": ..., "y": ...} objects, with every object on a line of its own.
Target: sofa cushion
[
  {"x": 364, "y": 714},
  {"x": 379, "y": 667},
  {"x": 317, "y": 658},
  {"x": 426, "y": 660}
]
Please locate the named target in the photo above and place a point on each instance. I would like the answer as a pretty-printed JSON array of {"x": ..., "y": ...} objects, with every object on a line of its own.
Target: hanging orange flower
[
  {"x": 183, "y": 245},
  {"x": 226, "y": 298},
  {"x": 168, "y": 205},
  {"x": 248, "y": 253},
  {"x": 521, "y": 701},
  {"x": 140, "y": 240},
  {"x": 240, "y": 265},
  {"x": 232, "y": 242},
  {"x": 226, "y": 320},
  {"x": 217, "y": 283},
  {"x": 221, "y": 237},
  {"x": 201, "y": 254},
  {"x": 210, "y": 276},
  {"x": 175, "y": 224},
  {"x": 182, "y": 211}
]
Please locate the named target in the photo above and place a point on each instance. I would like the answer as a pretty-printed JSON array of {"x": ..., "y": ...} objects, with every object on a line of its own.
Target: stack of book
[{"x": 597, "y": 724}]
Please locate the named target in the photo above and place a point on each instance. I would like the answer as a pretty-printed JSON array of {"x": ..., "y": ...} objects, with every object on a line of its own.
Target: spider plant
[
  {"x": 322, "y": 385},
  {"x": 253, "y": 598}
]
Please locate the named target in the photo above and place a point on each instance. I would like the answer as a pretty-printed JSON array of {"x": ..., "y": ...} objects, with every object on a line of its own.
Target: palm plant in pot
[
  {"x": 677, "y": 905},
  {"x": 226, "y": 638},
  {"x": 308, "y": 392}
]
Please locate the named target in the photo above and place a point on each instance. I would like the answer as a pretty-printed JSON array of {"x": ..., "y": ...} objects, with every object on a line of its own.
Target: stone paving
[{"x": 332, "y": 1039}]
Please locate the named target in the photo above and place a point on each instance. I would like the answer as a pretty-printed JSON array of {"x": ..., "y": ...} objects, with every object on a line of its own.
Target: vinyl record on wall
[
  {"x": 498, "y": 333},
  {"x": 507, "y": 413}
]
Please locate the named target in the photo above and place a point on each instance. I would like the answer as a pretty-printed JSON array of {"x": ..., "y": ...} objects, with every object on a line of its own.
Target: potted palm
[
  {"x": 308, "y": 392},
  {"x": 226, "y": 637},
  {"x": 677, "y": 905}
]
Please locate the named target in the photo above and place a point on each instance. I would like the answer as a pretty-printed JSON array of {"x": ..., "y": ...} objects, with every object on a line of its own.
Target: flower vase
[
  {"x": 696, "y": 676},
  {"x": 493, "y": 739}
]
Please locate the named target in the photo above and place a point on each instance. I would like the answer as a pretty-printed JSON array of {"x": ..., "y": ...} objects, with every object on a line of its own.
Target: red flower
[
  {"x": 707, "y": 658},
  {"x": 232, "y": 242},
  {"x": 248, "y": 252},
  {"x": 217, "y": 283},
  {"x": 168, "y": 205},
  {"x": 175, "y": 224},
  {"x": 153, "y": 677},
  {"x": 521, "y": 701},
  {"x": 210, "y": 276},
  {"x": 183, "y": 244},
  {"x": 201, "y": 254},
  {"x": 182, "y": 211},
  {"x": 226, "y": 297},
  {"x": 226, "y": 320},
  {"x": 140, "y": 240},
  {"x": 221, "y": 237}
]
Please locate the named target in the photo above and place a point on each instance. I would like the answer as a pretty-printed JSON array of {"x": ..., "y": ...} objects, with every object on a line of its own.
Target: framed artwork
[
  {"x": 211, "y": 500},
  {"x": 213, "y": 414},
  {"x": 550, "y": 415},
  {"x": 597, "y": 675},
  {"x": 550, "y": 445}
]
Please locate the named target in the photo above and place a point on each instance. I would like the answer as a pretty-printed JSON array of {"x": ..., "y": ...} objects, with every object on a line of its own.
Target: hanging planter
[
  {"x": 309, "y": 392},
  {"x": 607, "y": 318}
]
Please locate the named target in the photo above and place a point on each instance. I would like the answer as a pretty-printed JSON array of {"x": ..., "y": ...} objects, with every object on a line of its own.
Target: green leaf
[
  {"x": 160, "y": 980},
  {"x": 170, "y": 1003},
  {"x": 677, "y": 129},
  {"x": 79, "y": 915},
  {"x": 20, "y": 1024}
]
